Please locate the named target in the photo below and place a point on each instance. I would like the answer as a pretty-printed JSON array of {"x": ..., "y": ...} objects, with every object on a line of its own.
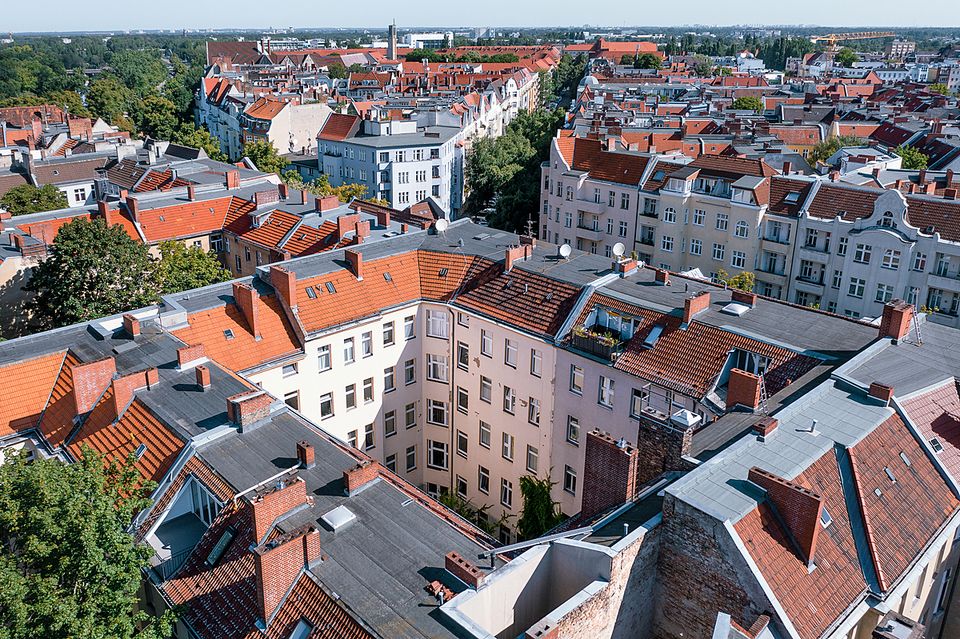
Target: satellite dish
[
  {"x": 442, "y": 224},
  {"x": 619, "y": 249},
  {"x": 565, "y": 250}
]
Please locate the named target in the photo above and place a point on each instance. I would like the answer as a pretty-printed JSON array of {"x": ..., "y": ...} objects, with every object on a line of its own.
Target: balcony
[
  {"x": 946, "y": 282},
  {"x": 173, "y": 542},
  {"x": 774, "y": 239},
  {"x": 591, "y": 233},
  {"x": 813, "y": 254},
  {"x": 597, "y": 340},
  {"x": 811, "y": 285},
  {"x": 648, "y": 241},
  {"x": 588, "y": 206}
]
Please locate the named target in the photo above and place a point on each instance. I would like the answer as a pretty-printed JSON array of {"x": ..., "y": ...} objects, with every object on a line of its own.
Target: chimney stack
[
  {"x": 279, "y": 562},
  {"x": 190, "y": 355},
  {"x": 131, "y": 325},
  {"x": 133, "y": 207},
  {"x": 662, "y": 276},
  {"x": 883, "y": 392},
  {"x": 203, "y": 376},
  {"x": 306, "y": 454},
  {"x": 355, "y": 259},
  {"x": 787, "y": 166},
  {"x": 248, "y": 301},
  {"x": 696, "y": 303},
  {"x": 285, "y": 283},
  {"x": 798, "y": 508},
  {"x": 191, "y": 192},
  {"x": 89, "y": 382},
  {"x": 895, "y": 321},
  {"x": 610, "y": 473},
  {"x": 743, "y": 389},
  {"x": 513, "y": 254},
  {"x": 326, "y": 203},
  {"x": 360, "y": 475},
  {"x": 232, "y": 178},
  {"x": 124, "y": 387},
  {"x": 248, "y": 408},
  {"x": 362, "y": 230}
]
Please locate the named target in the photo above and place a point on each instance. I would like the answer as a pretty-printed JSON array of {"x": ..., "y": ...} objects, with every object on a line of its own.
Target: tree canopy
[
  {"x": 92, "y": 270},
  {"x": 846, "y": 57},
  {"x": 181, "y": 268},
  {"x": 911, "y": 157},
  {"x": 264, "y": 157},
  {"x": 540, "y": 513},
  {"x": 321, "y": 187},
  {"x": 748, "y": 103},
  {"x": 823, "y": 150},
  {"x": 68, "y": 566},
  {"x": 190, "y": 135},
  {"x": 744, "y": 280},
  {"x": 27, "y": 198},
  {"x": 940, "y": 88}
]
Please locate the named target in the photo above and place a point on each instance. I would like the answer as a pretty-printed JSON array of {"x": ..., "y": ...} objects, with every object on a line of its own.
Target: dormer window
[{"x": 886, "y": 220}]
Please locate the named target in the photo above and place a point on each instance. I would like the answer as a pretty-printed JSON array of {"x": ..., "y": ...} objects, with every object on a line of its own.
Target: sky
[{"x": 70, "y": 15}]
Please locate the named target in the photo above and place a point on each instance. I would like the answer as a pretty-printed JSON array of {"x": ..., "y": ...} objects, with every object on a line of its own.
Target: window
[
  {"x": 485, "y": 434},
  {"x": 411, "y": 458},
  {"x": 605, "y": 395},
  {"x": 390, "y": 461},
  {"x": 533, "y": 411},
  {"x": 570, "y": 480},
  {"x": 368, "y": 390},
  {"x": 884, "y": 293},
  {"x": 289, "y": 370},
  {"x": 437, "y": 324},
  {"x": 837, "y": 279},
  {"x": 842, "y": 246},
  {"x": 351, "y": 393},
  {"x": 349, "y": 355},
  {"x": 718, "y": 251},
  {"x": 506, "y": 446},
  {"x": 696, "y": 247},
  {"x": 576, "y": 379},
  {"x": 638, "y": 398},
  {"x": 944, "y": 591},
  {"x": 437, "y": 455},
  {"x": 891, "y": 259},
  {"x": 669, "y": 216},
  {"x": 388, "y": 334},
  {"x": 352, "y": 439},
  {"x": 486, "y": 343},
  {"x": 622, "y": 229},
  {"x": 573, "y": 430},
  {"x": 436, "y": 367},
  {"x": 368, "y": 437},
  {"x": 366, "y": 344},
  {"x": 723, "y": 220},
  {"x": 483, "y": 480},
  {"x": 463, "y": 319},
  {"x": 533, "y": 458},
  {"x": 862, "y": 254},
  {"x": 462, "y": 443},
  {"x": 486, "y": 389},
  {"x": 506, "y": 493},
  {"x": 324, "y": 361},
  {"x": 326, "y": 405},
  {"x": 536, "y": 362},
  {"x": 389, "y": 380},
  {"x": 666, "y": 243},
  {"x": 741, "y": 229},
  {"x": 509, "y": 400},
  {"x": 390, "y": 423},
  {"x": 409, "y": 330},
  {"x": 463, "y": 356},
  {"x": 292, "y": 399},
  {"x": 410, "y": 415},
  {"x": 510, "y": 353},
  {"x": 461, "y": 487},
  {"x": 611, "y": 199},
  {"x": 856, "y": 287},
  {"x": 738, "y": 259},
  {"x": 698, "y": 216},
  {"x": 436, "y": 412},
  {"x": 920, "y": 262},
  {"x": 625, "y": 201},
  {"x": 409, "y": 371},
  {"x": 463, "y": 400}
]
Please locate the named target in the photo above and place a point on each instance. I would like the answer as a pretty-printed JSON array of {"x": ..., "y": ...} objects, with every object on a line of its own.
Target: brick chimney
[
  {"x": 232, "y": 179},
  {"x": 513, "y": 254},
  {"x": 743, "y": 389},
  {"x": 124, "y": 387},
  {"x": 248, "y": 301},
  {"x": 895, "y": 322},
  {"x": 662, "y": 276},
  {"x": 922, "y": 177},
  {"x": 610, "y": 473},
  {"x": 187, "y": 355},
  {"x": 696, "y": 303},
  {"x": 248, "y": 408},
  {"x": 273, "y": 501},
  {"x": 362, "y": 230},
  {"x": 798, "y": 507},
  {"x": 765, "y": 427},
  {"x": 326, "y": 203},
  {"x": 787, "y": 166},
  {"x": 89, "y": 382},
  {"x": 131, "y": 325},
  {"x": 355, "y": 259},
  {"x": 278, "y": 564},
  {"x": 283, "y": 190},
  {"x": 743, "y": 297},
  {"x": 285, "y": 283},
  {"x": 383, "y": 217},
  {"x": 463, "y": 569},
  {"x": 359, "y": 476},
  {"x": 950, "y": 194},
  {"x": 345, "y": 224},
  {"x": 883, "y": 392},
  {"x": 203, "y": 376},
  {"x": 191, "y": 193},
  {"x": 133, "y": 207},
  {"x": 306, "y": 454}
]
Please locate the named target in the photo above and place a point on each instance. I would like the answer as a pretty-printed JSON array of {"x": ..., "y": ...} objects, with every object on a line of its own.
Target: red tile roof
[
  {"x": 779, "y": 189},
  {"x": 26, "y": 387},
  {"x": 732, "y": 167},
  {"x": 57, "y": 420},
  {"x": 936, "y": 413},
  {"x": 588, "y": 155},
  {"x": 339, "y": 127},
  {"x": 265, "y": 108},
  {"x": 186, "y": 220}
]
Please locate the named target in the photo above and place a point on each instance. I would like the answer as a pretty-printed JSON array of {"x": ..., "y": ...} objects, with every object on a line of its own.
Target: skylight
[
  {"x": 338, "y": 517},
  {"x": 792, "y": 198},
  {"x": 312, "y": 294},
  {"x": 141, "y": 449},
  {"x": 221, "y": 546},
  {"x": 906, "y": 460},
  {"x": 825, "y": 518},
  {"x": 936, "y": 445},
  {"x": 388, "y": 277},
  {"x": 443, "y": 272},
  {"x": 651, "y": 339},
  {"x": 228, "y": 333},
  {"x": 330, "y": 287},
  {"x": 889, "y": 474}
]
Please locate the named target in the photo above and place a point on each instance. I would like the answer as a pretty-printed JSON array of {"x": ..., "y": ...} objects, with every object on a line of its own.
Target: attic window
[
  {"x": 141, "y": 449},
  {"x": 302, "y": 631},
  {"x": 792, "y": 197},
  {"x": 161, "y": 219},
  {"x": 906, "y": 460},
  {"x": 651, "y": 339},
  {"x": 548, "y": 296},
  {"x": 936, "y": 445},
  {"x": 889, "y": 474},
  {"x": 228, "y": 333},
  {"x": 443, "y": 272},
  {"x": 312, "y": 294},
  {"x": 825, "y": 518},
  {"x": 330, "y": 287},
  {"x": 388, "y": 277},
  {"x": 659, "y": 175},
  {"x": 221, "y": 546}
]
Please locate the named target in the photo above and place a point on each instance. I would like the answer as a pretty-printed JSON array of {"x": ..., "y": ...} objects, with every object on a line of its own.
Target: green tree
[
  {"x": 744, "y": 280},
  {"x": 321, "y": 187},
  {"x": 336, "y": 71},
  {"x": 108, "y": 98},
  {"x": 68, "y": 566},
  {"x": 264, "y": 157},
  {"x": 155, "y": 116},
  {"x": 181, "y": 268},
  {"x": 540, "y": 513},
  {"x": 27, "y": 198},
  {"x": 748, "y": 103},
  {"x": 940, "y": 88},
  {"x": 196, "y": 137},
  {"x": 846, "y": 57},
  {"x": 477, "y": 516},
  {"x": 703, "y": 65},
  {"x": 140, "y": 70},
  {"x": 911, "y": 157},
  {"x": 70, "y": 101},
  {"x": 92, "y": 270},
  {"x": 647, "y": 61},
  {"x": 823, "y": 150}
]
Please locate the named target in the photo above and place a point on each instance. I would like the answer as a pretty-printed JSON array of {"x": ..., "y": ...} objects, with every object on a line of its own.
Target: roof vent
[
  {"x": 792, "y": 197},
  {"x": 735, "y": 308},
  {"x": 338, "y": 518}
]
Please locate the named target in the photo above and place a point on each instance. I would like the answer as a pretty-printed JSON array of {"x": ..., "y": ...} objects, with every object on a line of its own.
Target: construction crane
[{"x": 833, "y": 38}]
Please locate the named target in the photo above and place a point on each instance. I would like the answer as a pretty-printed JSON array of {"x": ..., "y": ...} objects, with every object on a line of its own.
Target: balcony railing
[
  {"x": 596, "y": 340},
  {"x": 167, "y": 568}
]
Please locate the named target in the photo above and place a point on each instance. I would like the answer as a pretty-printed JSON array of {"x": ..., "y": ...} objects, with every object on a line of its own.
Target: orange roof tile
[
  {"x": 265, "y": 108},
  {"x": 184, "y": 220},
  {"x": 339, "y": 126},
  {"x": 26, "y": 388},
  {"x": 57, "y": 420}
]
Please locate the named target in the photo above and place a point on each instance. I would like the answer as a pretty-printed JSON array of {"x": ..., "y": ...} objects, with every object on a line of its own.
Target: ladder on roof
[
  {"x": 916, "y": 325},
  {"x": 763, "y": 394}
]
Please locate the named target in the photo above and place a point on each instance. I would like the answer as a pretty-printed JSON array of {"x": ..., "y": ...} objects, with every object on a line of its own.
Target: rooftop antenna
[{"x": 530, "y": 224}]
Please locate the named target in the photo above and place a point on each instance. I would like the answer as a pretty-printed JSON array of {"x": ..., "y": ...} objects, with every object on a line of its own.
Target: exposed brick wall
[
  {"x": 355, "y": 259},
  {"x": 187, "y": 354},
  {"x": 123, "y": 387},
  {"x": 246, "y": 409},
  {"x": 700, "y": 572},
  {"x": 895, "y": 321},
  {"x": 89, "y": 382},
  {"x": 463, "y": 569},
  {"x": 798, "y": 507},
  {"x": 696, "y": 303},
  {"x": 131, "y": 325},
  {"x": 246, "y": 298},
  {"x": 661, "y": 448},
  {"x": 743, "y": 297},
  {"x": 345, "y": 224},
  {"x": 610, "y": 474},
  {"x": 743, "y": 388},
  {"x": 285, "y": 284},
  {"x": 360, "y": 475},
  {"x": 882, "y": 392},
  {"x": 277, "y": 565},
  {"x": 511, "y": 255},
  {"x": 276, "y": 501}
]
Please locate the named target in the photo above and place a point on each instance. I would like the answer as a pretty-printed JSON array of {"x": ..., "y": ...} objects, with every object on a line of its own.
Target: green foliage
[
  {"x": 432, "y": 55},
  {"x": 92, "y": 270},
  {"x": 190, "y": 135},
  {"x": 568, "y": 73},
  {"x": 823, "y": 150},
  {"x": 911, "y": 157},
  {"x": 476, "y": 516},
  {"x": 703, "y": 65},
  {"x": 68, "y": 566},
  {"x": 181, "y": 268},
  {"x": 940, "y": 88},
  {"x": 139, "y": 70},
  {"x": 540, "y": 513},
  {"x": 744, "y": 280},
  {"x": 845, "y": 57},
  {"x": 642, "y": 61},
  {"x": 27, "y": 198},
  {"x": 69, "y": 101},
  {"x": 321, "y": 187},
  {"x": 108, "y": 98},
  {"x": 155, "y": 116},
  {"x": 264, "y": 157},
  {"x": 337, "y": 71},
  {"x": 748, "y": 103}
]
